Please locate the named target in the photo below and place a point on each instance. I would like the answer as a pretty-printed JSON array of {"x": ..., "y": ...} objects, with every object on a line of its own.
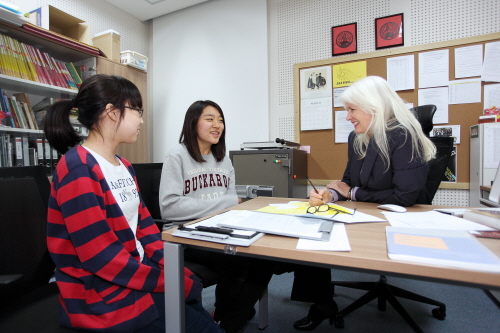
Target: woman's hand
[
  {"x": 340, "y": 187},
  {"x": 323, "y": 196}
]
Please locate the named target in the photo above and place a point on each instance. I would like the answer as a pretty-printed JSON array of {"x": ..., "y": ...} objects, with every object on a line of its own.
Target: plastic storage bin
[{"x": 134, "y": 59}]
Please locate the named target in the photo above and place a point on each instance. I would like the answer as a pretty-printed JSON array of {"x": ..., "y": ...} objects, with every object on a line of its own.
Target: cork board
[{"x": 327, "y": 159}]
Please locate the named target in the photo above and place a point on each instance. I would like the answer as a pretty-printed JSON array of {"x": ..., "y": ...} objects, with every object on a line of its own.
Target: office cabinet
[
  {"x": 283, "y": 169},
  {"x": 484, "y": 158}
]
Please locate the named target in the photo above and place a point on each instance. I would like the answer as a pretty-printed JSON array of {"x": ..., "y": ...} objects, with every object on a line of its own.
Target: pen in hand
[
  {"x": 310, "y": 182},
  {"x": 314, "y": 187}
]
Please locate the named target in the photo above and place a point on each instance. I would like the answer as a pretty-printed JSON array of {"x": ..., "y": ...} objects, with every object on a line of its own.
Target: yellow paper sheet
[{"x": 346, "y": 74}]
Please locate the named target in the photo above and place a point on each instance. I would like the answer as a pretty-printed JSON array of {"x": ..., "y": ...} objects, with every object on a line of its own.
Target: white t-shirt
[{"x": 124, "y": 190}]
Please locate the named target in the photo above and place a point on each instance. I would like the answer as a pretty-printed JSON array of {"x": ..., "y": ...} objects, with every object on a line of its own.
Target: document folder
[{"x": 200, "y": 231}]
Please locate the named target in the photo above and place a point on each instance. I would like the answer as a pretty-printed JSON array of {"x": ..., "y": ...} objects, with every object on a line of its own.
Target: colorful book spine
[
  {"x": 5, "y": 114},
  {"x": 6, "y": 106},
  {"x": 45, "y": 67},
  {"x": 74, "y": 73},
  {"x": 66, "y": 74},
  {"x": 20, "y": 117},
  {"x": 30, "y": 62},
  {"x": 38, "y": 66}
]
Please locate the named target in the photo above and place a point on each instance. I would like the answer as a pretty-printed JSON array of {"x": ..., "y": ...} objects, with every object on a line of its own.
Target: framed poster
[
  {"x": 344, "y": 39},
  {"x": 389, "y": 31}
]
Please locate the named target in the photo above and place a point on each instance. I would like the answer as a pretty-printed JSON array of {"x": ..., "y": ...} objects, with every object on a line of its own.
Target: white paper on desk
[
  {"x": 338, "y": 241},
  {"x": 276, "y": 224},
  {"x": 432, "y": 220},
  {"x": 358, "y": 217},
  {"x": 215, "y": 220}
]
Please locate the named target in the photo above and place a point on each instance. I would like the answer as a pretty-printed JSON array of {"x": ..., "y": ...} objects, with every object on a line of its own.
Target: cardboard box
[
  {"x": 109, "y": 43},
  {"x": 53, "y": 19}
]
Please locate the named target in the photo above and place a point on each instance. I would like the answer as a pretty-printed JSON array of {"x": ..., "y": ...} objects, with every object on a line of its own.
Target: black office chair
[
  {"x": 444, "y": 147},
  {"x": 29, "y": 302},
  {"x": 148, "y": 179},
  {"x": 424, "y": 115},
  {"x": 381, "y": 289},
  {"x": 438, "y": 166}
]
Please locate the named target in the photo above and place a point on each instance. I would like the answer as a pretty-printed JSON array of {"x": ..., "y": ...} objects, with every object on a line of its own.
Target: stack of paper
[
  {"x": 299, "y": 208},
  {"x": 454, "y": 248}
]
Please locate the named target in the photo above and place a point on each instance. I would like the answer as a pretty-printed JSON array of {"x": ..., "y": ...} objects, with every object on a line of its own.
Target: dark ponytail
[
  {"x": 58, "y": 129},
  {"x": 94, "y": 94}
]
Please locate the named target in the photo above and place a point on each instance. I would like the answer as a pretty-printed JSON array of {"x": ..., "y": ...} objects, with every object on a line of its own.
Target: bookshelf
[
  {"x": 23, "y": 143},
  {"x": 38, "y": 91}
]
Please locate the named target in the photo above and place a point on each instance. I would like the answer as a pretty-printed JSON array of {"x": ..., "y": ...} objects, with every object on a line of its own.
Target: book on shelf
[
  {"x": 487, "y": 216},
  {"x": 28, "y": 114},
  {"x": 6, "y": 150},
  {"x": 453, "y": 248},
  {"x": 35, "y": 16},
  {"x": 40, "y": 70},
  {"x": 74, "y": 73},
  {"x": 28, "y": 62},
  {"x": 18, "y": 151},
  {"x": 6, "y": 106},
  {"x": 33, "y": 156},
  {"x": 23, "y": 123},
  {"x": 67, "y": 75},
  {"x": 24, "y": 99},
  {"x": 47, "y": 150},
  {"x": 39, "y": 152},
  {"x": 26, "y": 153},
  {"x": 5, "y": 115}
]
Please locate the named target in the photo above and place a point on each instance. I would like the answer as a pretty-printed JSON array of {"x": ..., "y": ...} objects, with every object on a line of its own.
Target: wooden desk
[{"x": 368, "y": 254}]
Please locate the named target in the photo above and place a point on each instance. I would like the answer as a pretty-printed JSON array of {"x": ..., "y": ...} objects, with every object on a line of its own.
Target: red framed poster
[
  {"x": 344, "y": 39},
  {"x": 389, "y": 31}
]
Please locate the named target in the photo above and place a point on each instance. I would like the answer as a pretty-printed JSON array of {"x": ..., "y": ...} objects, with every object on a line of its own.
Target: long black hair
[
  {"x": 94, "y": 94},
  {"x": 189, "y": 134}
]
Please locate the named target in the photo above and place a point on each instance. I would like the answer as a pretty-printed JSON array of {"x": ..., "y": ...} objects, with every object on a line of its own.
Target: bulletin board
[{"x": 327, "y": 159}]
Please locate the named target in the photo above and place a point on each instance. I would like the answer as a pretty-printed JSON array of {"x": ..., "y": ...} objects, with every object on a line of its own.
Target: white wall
[{"x": 216, "y": 50}]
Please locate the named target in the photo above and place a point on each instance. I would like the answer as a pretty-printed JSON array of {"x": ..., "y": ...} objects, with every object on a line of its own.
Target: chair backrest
[
  {"x": 148, "y": 178},
  {"x": 24, "y": 195},
  {"x": 444, "y": 147},
  {"x": 424, "y": 115}
]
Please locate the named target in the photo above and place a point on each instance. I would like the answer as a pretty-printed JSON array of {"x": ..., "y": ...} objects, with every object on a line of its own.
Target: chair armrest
[{"x": 7, "y": 280}]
